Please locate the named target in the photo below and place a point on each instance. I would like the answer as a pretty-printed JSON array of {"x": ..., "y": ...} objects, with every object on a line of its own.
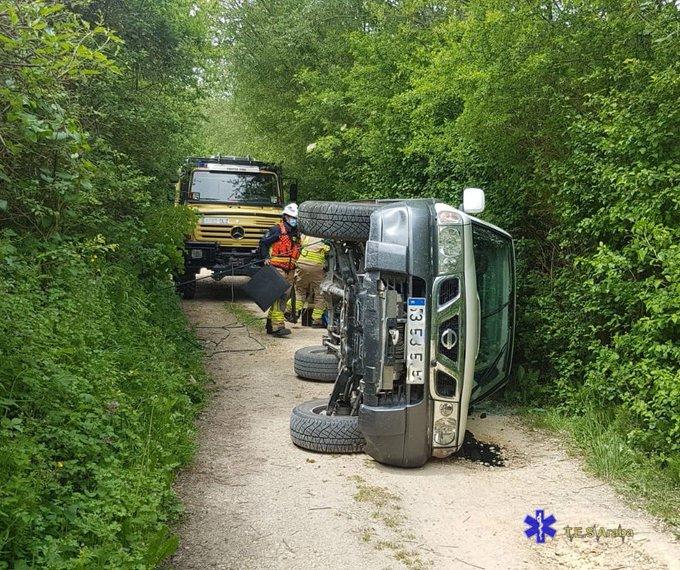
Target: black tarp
[{"x": 265, "y": 287}]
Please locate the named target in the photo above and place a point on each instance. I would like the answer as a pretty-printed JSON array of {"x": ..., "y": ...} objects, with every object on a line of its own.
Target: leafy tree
[
  {"x": 564, "y": 111},
  {"x": 99, "y": 378}
]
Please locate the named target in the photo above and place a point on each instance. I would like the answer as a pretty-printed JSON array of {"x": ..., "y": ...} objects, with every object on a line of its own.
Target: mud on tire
[
  {"x": 336, "y": 220},
  {"x": 311, "y": 429},
  {"x": 316, "y": 363}
]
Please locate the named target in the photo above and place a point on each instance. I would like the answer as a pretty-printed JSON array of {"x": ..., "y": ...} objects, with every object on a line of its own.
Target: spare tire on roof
[{"x": 343, "y": 221}]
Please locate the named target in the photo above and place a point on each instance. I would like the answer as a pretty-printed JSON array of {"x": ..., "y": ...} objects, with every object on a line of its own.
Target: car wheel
[
  {"x": 312, "y": 429},
  {"x": 344, "y": 221},
  {"x": 316, "y": 363}
]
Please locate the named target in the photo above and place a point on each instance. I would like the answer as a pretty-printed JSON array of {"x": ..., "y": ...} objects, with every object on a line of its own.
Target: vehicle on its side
[
  {"x": 237, "y": 199},
  {"x": 421, "y": 319}
]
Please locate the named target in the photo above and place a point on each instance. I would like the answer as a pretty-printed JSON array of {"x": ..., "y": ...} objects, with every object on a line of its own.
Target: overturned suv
[{"x": 421, "y": 301}]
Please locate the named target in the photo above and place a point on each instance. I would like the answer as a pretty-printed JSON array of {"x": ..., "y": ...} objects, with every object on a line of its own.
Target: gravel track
[{"x": 254, "y": 500}]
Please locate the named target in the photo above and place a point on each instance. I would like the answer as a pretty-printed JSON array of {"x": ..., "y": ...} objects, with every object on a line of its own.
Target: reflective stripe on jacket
[
  {"x": 314, "y": 251},
  {"x": 285, "y": 251}
]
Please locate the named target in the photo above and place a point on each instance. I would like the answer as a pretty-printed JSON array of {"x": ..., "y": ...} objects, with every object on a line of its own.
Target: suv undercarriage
[{"x": 412, "y": 290}]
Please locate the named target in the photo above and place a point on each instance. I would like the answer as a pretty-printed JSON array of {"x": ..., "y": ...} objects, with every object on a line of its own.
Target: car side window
[{"x": 494, "y": 267}]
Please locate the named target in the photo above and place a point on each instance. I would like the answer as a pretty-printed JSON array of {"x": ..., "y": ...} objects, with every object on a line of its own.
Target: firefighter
[
  {"x": 280, "y": 248},
  {"x": 308, "y": 277}
]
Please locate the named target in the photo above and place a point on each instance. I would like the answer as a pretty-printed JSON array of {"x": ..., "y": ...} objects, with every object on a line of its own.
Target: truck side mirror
[
  {"x": 182, "y": 191},
  {"x": 473, "y": 200},
  {"x": 293, "y": 191}
]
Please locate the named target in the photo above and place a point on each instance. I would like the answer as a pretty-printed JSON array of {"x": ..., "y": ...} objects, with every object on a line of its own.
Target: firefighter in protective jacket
[
  {"x": 280, "y": 248},
  {"x": 308, "y": 277}
]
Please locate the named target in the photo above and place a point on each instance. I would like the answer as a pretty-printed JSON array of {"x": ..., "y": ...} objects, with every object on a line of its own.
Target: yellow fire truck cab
[{"x": 237, "y": 199}]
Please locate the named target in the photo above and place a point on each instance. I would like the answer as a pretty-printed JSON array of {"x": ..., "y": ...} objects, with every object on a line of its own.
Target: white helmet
[{"x": 291, "y": 210}]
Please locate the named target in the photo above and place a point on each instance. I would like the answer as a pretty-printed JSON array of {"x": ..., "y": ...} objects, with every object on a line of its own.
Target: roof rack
[
  {"x": 219, "y": 159},
  {"x": 194, "y": 161}
]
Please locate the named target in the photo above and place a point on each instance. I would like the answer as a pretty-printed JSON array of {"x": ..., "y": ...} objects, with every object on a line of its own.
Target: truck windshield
[
  {"x": 495, "y": 283},
  {"x": 232, "y": 187}
]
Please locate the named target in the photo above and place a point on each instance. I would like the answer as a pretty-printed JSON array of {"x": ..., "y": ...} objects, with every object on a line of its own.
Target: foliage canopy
[{"x": 565, "y": 112}]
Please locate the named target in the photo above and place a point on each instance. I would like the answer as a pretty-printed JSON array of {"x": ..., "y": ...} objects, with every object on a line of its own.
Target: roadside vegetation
[
  {"x": 99, "y": 378},
  {"x": 565, "y": 112}
]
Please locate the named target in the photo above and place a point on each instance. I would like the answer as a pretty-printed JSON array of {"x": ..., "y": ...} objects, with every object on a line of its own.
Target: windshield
[
  {"x": 215, "y": 186},
  {"x": 495, "y": 281}
]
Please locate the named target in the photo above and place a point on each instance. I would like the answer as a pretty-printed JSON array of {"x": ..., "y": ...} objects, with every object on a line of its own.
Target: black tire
[
  {"x": 186, "y": 285},
  {"x": 311, "y": 429},
  {"x": 316, "y": 363},
  {"x": 343, "y": 221}
]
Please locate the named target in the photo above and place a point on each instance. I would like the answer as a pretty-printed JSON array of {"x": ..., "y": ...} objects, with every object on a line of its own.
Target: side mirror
[
  {"x": 293, "y": 191},
  {"x": 473, "y": 200}
]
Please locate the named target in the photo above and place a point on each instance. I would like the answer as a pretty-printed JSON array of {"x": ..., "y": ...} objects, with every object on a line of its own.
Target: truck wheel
[
  {"x": 316, "y": 363},
  {"x": 336, "y": 220},
  {"x": 312, "y": 429},
  {"x": 186, "y": 285}
]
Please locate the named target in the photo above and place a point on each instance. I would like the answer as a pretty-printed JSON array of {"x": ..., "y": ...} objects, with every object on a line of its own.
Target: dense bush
[
  {"x": 99, "y": 378},
  {"x": 618, "y": 209},
  {"x": 566, "y": 112},
  {"x": 100, "y": 382}
]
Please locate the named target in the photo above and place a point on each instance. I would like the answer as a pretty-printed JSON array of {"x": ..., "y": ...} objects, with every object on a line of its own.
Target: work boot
[
  {"x": 318, "y": 324},
  {"x": 288, "y": 315},
  {"x": 280, "y": 333}
]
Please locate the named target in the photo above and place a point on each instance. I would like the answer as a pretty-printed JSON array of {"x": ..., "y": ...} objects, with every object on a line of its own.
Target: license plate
[
  {"x": 215, "y": 221},
  {"x": 415, "y": 340}
]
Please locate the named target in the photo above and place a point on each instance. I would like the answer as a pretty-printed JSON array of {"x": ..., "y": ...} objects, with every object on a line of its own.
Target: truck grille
[
  {"x": 225, "y": 232},
  {"x": 446, "y": 385},
  {"x": 244, "y": 234},
  {"x": 449, "y": 338},
  {"x": 448, "y": 290}
]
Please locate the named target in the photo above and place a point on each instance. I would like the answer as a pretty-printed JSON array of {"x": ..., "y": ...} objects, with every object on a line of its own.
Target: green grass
[
  {"x": 642, "y": 480},
  {"x": 388, "y": 513},
  {"x": 244, "y": 315}
]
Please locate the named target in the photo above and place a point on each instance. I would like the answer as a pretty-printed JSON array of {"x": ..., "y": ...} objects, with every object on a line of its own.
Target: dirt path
[{"x": 254, "y": 500}]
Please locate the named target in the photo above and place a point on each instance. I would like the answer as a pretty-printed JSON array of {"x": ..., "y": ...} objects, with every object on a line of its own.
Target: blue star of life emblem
[{"x": 540, "y": 525}]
